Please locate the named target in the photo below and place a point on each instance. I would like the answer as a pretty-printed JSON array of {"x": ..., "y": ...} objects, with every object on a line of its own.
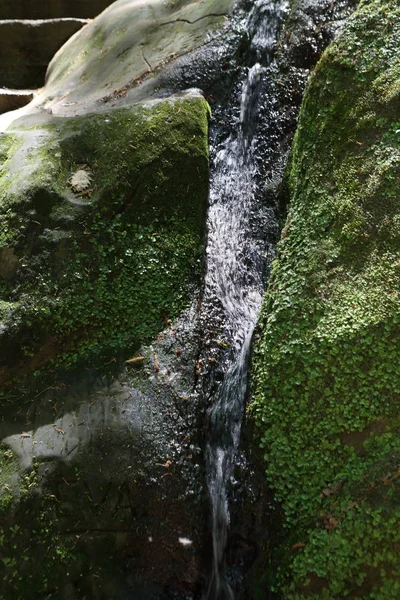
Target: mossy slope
[
  {"x": 104, "y": 267},
  {"x": 326, "y": 376}
]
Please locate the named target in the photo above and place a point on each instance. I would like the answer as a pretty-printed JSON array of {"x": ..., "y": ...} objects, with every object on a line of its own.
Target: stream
[{"x": 238, "y": 255}]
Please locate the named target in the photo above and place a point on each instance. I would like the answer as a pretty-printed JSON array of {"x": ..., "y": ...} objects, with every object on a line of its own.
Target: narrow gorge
[{"x": 199, "y": 300}]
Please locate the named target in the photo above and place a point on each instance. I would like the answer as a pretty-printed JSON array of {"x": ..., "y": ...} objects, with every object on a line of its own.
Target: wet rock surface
[
  {"x": 113, "y": 455},
  {"x": 305, "y": 31}
]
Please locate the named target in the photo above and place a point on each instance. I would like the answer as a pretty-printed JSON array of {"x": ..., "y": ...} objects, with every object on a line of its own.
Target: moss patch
[
  {"x": 29, "y": 533},
  {"x": 106, "y": 267},
  {"x": 326, "y": 361}
]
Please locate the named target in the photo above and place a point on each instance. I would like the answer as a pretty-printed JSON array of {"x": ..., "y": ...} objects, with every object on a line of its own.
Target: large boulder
[
  {"x": 103, "y": 217},
  {"x": 103, "y": 194},
  {"x": 326, "y": 377},
  {"x": 122, "y": 56},
  {"x": 94, "y": 190}
]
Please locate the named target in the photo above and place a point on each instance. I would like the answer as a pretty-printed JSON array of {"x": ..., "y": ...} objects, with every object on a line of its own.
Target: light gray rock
[{"x": 117, "y": 58}]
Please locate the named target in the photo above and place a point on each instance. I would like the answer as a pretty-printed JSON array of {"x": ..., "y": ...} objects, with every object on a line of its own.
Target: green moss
[
  {"x": 326, "y": 361},
  {"x": 9, "y": 145},
  {"x": 34, "y": 555},
  {"x": 8, "y": 467},
  {"x": 105, "y": 268}
]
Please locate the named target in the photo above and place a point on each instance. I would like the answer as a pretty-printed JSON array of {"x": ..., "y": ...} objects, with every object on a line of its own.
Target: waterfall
[{"x": 236, "y": 258}]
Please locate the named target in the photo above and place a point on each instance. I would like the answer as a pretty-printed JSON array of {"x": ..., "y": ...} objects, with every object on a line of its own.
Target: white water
[{"x": 235, "y": 263}]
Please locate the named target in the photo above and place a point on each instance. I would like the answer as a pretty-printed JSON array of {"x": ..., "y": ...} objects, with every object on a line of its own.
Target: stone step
[
  {"x": 27, "y": 46},
  {"x": 51, "y": 9},
  {"x": 13, "y": 99}
]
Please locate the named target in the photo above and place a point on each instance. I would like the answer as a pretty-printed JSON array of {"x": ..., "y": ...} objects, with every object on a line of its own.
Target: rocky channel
[{"x": 157, "y": 193}]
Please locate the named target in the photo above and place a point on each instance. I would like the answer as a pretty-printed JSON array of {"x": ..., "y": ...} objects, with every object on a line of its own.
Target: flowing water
[{"x": 238, "y": 252}]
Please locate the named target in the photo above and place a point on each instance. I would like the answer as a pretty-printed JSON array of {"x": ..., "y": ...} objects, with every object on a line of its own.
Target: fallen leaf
[
  {"x": 135, "y": 362},
  {"x": 59, "y": 430},
  {"x": 297, "y": 546}
]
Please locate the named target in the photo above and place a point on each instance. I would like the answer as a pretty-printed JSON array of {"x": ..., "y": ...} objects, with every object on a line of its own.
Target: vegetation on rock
[
  {"x": 326, "y": 376},
  {"x": 103, "y": 267},
  {"x": 102, "y": 239}
]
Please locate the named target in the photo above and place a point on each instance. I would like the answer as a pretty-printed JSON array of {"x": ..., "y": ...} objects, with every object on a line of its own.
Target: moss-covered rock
[
  {"x": 103, "y": 218},
  {"x": 326, "y": 378},
  {"x": 93, "y": 481}
]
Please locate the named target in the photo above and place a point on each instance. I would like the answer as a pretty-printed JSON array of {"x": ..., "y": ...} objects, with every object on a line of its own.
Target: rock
[
  {"x": 99, "y": 469},
  {"x": 117, "y": 148},
  {"x": 326, "y": 379},
  {"x": 27, "y": 47},
  {"x": 121, "y": 57},
  {"x": 103, "y": 214},
  {"x": 142, "y": 215}
]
